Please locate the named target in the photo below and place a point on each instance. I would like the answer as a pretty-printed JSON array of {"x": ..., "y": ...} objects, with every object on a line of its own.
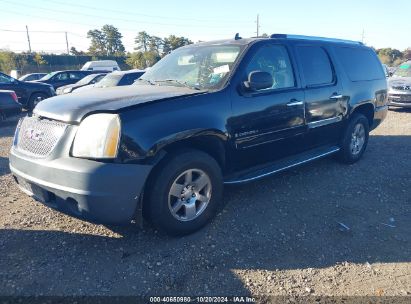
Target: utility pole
[
  {"x": 67, "y": 45},
  {"x": 363, "y": 36},
  {"x": 258, "y": 25},
  {"x": 28, "y": 38}
]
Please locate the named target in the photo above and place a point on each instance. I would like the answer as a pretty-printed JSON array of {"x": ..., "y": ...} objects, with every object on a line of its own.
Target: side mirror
[{"x": 258, "y": 80}]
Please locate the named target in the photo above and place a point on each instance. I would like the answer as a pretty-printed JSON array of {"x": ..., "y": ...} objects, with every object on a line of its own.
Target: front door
[{"x": 266, "y": 123}]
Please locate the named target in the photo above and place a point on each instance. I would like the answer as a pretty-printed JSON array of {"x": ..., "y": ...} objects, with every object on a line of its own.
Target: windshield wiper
[{"x": 179, "y": 82}]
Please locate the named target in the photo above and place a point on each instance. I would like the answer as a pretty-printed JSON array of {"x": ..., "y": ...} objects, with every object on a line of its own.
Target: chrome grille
[{"x": 38, "y": 137}]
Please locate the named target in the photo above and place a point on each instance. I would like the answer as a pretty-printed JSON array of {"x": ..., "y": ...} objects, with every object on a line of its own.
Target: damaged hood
[{"x": 73, "y": 107}]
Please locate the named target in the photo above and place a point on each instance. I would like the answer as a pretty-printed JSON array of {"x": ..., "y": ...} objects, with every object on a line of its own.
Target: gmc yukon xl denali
[{"x": 209, "y": 114}]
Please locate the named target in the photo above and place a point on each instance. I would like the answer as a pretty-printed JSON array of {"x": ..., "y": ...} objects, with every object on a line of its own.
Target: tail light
[{"x": 14, "y": 96}]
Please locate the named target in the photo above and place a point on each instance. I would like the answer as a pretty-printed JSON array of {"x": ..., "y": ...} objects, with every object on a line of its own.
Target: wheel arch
[{"x": 366, "y": 109}]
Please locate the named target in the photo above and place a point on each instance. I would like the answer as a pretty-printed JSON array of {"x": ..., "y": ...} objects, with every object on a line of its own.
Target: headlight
[
  {"x": 67, "y": 90},
  {"x": 98, "y": 136}
]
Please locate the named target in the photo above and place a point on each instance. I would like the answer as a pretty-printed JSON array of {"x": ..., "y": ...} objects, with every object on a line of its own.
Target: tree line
[
  {"x": 148, "y": 48},
  {"x": 107, "y": 42}
]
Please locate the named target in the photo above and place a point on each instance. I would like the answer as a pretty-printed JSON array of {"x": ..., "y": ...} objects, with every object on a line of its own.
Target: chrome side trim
[
  {"x": 324, "y": 122},
  {"x": 282, "y": 169}
]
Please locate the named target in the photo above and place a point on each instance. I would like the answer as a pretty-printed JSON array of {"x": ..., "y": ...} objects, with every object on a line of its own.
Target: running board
[{"x": 280, "y": 165}]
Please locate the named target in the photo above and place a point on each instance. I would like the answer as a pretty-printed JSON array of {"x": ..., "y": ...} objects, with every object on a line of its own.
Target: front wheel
[
  {"x": 35, "y": 99},
  {"x": 355, "y": 139},
  {"x": 185, "y": 192}
]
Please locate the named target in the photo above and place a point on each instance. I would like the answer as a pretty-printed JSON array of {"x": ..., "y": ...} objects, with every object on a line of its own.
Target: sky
[{"x": 378, "y": 23}]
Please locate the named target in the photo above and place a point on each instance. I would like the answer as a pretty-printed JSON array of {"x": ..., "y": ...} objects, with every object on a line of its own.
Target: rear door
[{"x": 325, "y": 101}]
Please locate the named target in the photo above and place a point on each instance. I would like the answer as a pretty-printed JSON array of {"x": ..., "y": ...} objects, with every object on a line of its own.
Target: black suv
[
  {"x": 63, "y": 78},
  {"x": 209, "y": 114},
  {"x": 28, "y": 93}
]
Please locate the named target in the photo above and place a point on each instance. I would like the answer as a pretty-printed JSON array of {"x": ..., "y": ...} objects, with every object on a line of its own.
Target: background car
[
  {"x": 89, "y": 79},
  {"x": 9, "y": 104},
  {"x": 399, "y": 94},
  {"x": 101, "y": 65},
  {"x": 32, "y": 76},
  {"x": 62, "y": 78},
  {"x": 114, "y": 79},
  {"x": 28, "y": 93}
]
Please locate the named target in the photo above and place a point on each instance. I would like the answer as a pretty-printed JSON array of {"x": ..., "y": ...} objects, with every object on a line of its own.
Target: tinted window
[
  {"x": 316, "y": 65},
  {"x": 74, "y": 75},
  {"x": 61, "y": 77},
  {"x": 360, "y": 64},
  {"x": 129, "y": 79},
  {"x": 273, "y": 59}
]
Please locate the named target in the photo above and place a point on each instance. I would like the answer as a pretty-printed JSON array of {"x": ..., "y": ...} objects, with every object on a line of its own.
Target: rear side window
[
  {"x": 316, "y": 65},
  {"x": 360, "y": 64}
]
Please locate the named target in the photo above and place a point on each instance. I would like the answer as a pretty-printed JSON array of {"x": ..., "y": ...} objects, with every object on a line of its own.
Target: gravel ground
[{"x": 277, "y": 236}]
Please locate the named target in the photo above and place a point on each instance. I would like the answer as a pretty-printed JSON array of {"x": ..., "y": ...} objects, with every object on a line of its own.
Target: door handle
[
  {"x": 336, "y": 96},
  {"x": 294, "y": 102}
]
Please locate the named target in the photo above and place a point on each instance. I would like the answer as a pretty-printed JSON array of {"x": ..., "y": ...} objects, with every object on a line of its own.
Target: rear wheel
[
  {"x": 184, "y": 193},
  {"x": 355, "y": 139},
  {"x": 35, "y": 99}
]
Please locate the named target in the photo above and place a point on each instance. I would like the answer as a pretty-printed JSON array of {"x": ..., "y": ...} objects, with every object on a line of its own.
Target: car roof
[{"x": 286, "y": 37}]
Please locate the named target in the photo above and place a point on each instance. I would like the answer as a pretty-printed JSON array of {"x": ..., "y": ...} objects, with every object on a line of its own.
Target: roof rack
[{"x": 302, "y": 37}]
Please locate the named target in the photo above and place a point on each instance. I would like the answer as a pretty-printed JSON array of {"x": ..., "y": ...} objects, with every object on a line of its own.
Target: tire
[
  {"x": 2, "y": 117},
  {"x": 170, "y": 188},
  {"x": 35, "y": 99},
  {"x": 355, "y": 139}
]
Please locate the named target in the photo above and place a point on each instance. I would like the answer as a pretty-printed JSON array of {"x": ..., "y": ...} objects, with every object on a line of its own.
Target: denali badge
[{"x": 33, "y": 134}]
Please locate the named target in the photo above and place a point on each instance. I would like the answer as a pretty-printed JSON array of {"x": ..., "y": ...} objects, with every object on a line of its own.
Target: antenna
[
  {"x": 363, "y": 36},
  {"x": 237, "y": 36}
]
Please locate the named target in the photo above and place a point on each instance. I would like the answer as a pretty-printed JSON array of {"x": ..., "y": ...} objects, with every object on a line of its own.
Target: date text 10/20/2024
[{"x": 239, "y": 299}]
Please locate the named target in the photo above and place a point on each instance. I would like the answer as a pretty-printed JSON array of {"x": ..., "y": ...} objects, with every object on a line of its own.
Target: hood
[
  {"x": 73, "y": 107},
  {"x": 84, "y": 88},
  {"x": 400, "y": 82},
  {"x": 73, "y": 86}
]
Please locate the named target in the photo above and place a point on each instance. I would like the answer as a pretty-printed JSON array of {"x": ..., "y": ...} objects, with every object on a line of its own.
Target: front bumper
[
  {"x": 380, "y": 113},
  {"x": 400, "y": 99},
  {"x": 106, "y": 193}
]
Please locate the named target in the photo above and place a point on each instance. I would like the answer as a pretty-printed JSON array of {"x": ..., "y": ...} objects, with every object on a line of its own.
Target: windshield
[
  {"x": 404, "y": 70},
  {"x": 110, "y": 80},
  {"x": 86, "y": 80},
  {"x": 48, "y": 76},
  {"x": 198, "y": 67}
]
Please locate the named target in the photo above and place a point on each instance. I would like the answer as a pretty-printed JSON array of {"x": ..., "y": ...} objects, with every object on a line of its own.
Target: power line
[
  {"x": 112, "y": 18},
  {"x": 133, "y": 14}
]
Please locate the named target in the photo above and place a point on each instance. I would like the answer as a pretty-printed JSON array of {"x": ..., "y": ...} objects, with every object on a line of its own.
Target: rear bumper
[
  {"x": 100, "y": 192},
  {"x": 380, "y": 113}
]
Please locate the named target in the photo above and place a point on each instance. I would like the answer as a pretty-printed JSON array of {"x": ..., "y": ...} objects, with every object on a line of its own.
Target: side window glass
[
  {"x": 273, "y": 59},
  {"x": 75, "y": 76},
  {"x": 61, "y": 77},
  {"x": 316, "y": 65}
]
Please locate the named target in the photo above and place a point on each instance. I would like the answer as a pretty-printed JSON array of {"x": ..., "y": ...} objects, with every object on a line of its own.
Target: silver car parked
[{"x": 399, "y": 94}]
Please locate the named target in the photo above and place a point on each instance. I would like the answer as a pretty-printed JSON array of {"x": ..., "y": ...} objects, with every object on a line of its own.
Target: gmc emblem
[{"x": 33, "y": 134}]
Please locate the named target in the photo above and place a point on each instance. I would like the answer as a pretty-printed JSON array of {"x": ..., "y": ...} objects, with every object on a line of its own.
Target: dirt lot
[{"x": 277, "y": 236}]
